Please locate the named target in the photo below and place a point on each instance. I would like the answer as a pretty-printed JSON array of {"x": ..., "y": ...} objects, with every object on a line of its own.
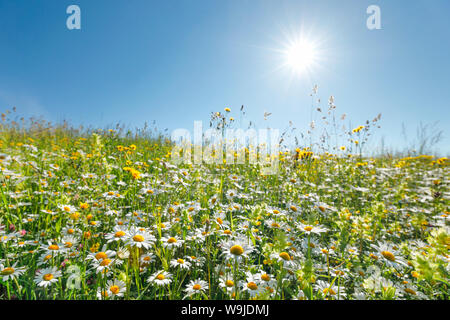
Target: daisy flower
[
  {"x": 115, "y": 288},
  {"x": 109, "y": 195},
  {"x": 389, "y": 255},
  {"x": 53, "y": 248},
  {"x": 46, "y": 277},
  {"x": 285, "y": 258},
  {"x": 171, "y": 242},
  {"x": 70, "y": 231},
  {"x": 70, "y": 242},
  {"x": 236, "y": 249},
  {"x": 275, "y": 211},
  {"x": 148, "y": 191},
  {"x": 266, "y": 280},
  {"x": 273, "y": 224},
  {"x": 101, "y": 255},
  {"x": 118, "y": 233},
  {"x": 67, "y": 208},
  {"x": 103, "y": 261},
  {"x": 44, "y": 259},
  {"x": 140, "y": 238},
  {"x": 213, "y": 200},
  {"x": 160, "y": 278},
  {"x": 9, "y": 273},
  {"x": 180, "y": 263},
  {"x": 227, "y": 282},
  {"x": 294, "y": 209},
  {"x": 193, "y": 207},
  {"x": 196, "y": 261},
  {"x": 308, "y": 229},
  {"x": 230, "y": 194},
  {"x": 323, "y": 208},
  {"x": 330, "y": 291},
  {"x": 195, "y": 287},
  {"x": 251, "y": 285},
  {"x": 412, "y": 292}
]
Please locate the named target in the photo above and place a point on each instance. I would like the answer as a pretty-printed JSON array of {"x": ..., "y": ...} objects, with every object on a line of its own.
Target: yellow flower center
[
  {"x": 114, "y": 289},
  {"x": 197, "y": 287},
  {"x": 294, "y": 209},
  {"x": 7, "y": 271},
  {"x": 101, "y": 255},
  {"x": 119, "y": 234},
  {"x": 160, "y": 276},
  {"x": 138, "y": 238},
  {"x": 53, "y": 247},
  {"x": 181, "y": 261},
  {"x": 285, "y": 256},
  {"x": 329, "y": 291},
  {"x": 105, "y": 262},
  {"x": 70, "y": 231},
  {"x": 410, "y": 291},
  {"x": 237, "y": 250},
  {"x": 172, "y": 240},
  {"x": 308, "y": 228},
  {"x": 229, "y": 283},
  {"x": 47, "y": 277},
  {"x": 252, "y": 286},
  {"x": 265, "y": 277},
  {"x": 388, "y": 255},
  {"x": 68, "y": 244}
]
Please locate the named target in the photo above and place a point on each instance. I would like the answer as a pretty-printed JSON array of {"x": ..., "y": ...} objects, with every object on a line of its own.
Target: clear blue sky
[{"x": 175, "y": 61}]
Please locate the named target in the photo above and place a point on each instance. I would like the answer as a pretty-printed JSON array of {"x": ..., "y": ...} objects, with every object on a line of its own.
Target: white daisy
[
  {"x": 160, "y": 278},
  {"x": 195, "y": 287},
  {"x": 46, "y": 277}
]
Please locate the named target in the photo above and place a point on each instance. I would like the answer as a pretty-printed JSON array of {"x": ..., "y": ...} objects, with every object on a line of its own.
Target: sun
[{"x": 300, "y": 55}]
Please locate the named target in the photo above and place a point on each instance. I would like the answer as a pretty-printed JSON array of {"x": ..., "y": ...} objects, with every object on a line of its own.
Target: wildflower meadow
[{"x": 90, "y": 214}]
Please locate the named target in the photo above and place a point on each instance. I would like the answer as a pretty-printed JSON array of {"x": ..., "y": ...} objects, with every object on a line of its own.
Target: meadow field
[{"x": 105, "y": 214}]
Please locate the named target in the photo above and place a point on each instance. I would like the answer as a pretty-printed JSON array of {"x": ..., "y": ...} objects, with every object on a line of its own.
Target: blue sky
[{"x": 176, "y": 61}]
